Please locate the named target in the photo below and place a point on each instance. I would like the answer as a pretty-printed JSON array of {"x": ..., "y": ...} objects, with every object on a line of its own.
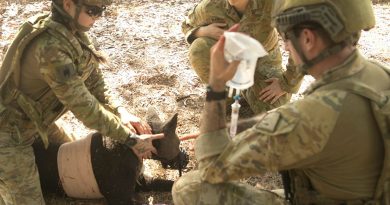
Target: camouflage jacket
[
  {"x": 330, "y": 136},
  {"x": 256, "y": 22},
  {"x": 60, "y": 71}
]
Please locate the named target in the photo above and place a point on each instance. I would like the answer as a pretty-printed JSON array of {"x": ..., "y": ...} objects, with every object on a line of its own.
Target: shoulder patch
[
  {"x": 269, "y": 122},
  {"x": 65, "y": 72},
  {"x": 276, "y": 123}
]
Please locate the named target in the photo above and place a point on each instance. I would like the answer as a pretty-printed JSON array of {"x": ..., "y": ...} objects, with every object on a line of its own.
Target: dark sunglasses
[{"x": 94, "y": 11}]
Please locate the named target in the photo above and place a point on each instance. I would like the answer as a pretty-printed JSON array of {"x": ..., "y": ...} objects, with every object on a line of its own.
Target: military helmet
[
  {"x": 340, "y": 18},
  {"x": 96, "y": 2}
]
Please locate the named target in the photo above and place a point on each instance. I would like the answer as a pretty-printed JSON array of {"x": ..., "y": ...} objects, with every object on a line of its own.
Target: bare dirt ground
[{"x": 149, "y": 67}]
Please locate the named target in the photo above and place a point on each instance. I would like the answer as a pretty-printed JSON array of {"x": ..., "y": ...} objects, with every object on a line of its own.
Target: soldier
[
  {"x": 207, "y": 22},
  {"x": 50, "y": 68},
  {"x": 329, "y": 143}
]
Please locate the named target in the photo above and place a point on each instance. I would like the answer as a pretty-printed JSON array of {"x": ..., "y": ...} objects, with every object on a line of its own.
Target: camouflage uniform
[
  {"x": 59, "y": 71},
  {"x": 315, "y": 137},
  {"x": 256, "y": 21}
]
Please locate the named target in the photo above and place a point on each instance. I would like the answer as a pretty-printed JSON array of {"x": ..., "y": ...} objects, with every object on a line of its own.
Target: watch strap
[{"x": 214, "y": 96}]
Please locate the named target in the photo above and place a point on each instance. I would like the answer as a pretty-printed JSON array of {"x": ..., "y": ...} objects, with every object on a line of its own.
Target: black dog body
[{"x": 116, "y": 168}]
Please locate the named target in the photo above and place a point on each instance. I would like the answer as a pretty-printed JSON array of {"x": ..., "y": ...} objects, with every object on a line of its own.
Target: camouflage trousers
[
  {"x": 267, "y": 67},
  {"x": 190, "y": 189},
  {"x": 19, "y": 178}
]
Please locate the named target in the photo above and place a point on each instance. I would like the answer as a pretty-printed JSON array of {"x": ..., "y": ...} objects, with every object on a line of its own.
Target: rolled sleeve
[
  {"x": 61, "y": 75},
  {"x": 211, "y": 144}
]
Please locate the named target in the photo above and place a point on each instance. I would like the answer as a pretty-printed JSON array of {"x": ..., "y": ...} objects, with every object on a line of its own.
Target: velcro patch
[
  {"x": 65, "y": 72},
  {"x": 269, "y": 122}
]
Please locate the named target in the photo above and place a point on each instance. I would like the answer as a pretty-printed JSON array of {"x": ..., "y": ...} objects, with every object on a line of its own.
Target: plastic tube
[{"x": 234, "y": 117}]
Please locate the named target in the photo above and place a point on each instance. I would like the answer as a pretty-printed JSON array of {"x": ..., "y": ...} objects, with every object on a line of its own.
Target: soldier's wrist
[
  {"x": 131, "y": 140},
  {"x": 212, "y": 95},
  {"x": 197, "y": 32}
]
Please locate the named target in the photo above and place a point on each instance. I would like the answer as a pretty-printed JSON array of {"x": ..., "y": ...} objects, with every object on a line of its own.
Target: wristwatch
[
  {"x": 212, "y": 95},
  {"x": 131, "y": 140}
]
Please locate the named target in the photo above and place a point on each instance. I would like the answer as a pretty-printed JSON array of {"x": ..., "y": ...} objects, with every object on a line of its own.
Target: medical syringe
[{"x": 234, "y": 117}]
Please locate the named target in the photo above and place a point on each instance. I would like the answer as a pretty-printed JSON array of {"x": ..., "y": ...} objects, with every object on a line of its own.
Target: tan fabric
[{"x": 75, "y": 169}]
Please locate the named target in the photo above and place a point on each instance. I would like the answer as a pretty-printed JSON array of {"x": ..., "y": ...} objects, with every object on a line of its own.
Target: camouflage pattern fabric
[
  {"x": 266, "y": 68},
  {"x": 194, "y": 191},
  {"x": 19, "y": 180},
  {"x": 61, "y": 72},
  {"x": 256, "y": 21},
  {"x": 331, "y": 136}
]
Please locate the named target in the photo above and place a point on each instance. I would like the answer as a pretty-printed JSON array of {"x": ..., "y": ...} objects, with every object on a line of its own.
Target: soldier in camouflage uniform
[
  {"x": 328, "y": 143},
  {"x": 50, "y": 68},
  {"x": 207, "y": 22}
]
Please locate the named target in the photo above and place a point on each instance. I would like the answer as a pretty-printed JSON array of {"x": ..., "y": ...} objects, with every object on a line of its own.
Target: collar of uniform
[
  {"x": 86, "y": 41},
  {"x": 61, "y": 29},
  {"x": 252, "y": 5},
  {"x": 349, "y": 67}
]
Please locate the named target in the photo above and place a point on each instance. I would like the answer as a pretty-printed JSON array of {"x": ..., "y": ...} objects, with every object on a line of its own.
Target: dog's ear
[
  {"x": 169, "y": 127},
  {"x": 169, "y": 146},
  {"x": 154, "y": 120}
]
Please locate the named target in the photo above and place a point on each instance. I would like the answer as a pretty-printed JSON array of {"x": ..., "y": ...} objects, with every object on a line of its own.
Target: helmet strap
[
  {"x": 79, "y": 27},
  {"x": 307, "y": 64}
]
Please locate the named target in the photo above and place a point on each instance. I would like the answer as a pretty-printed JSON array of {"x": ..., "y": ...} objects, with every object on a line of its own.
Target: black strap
[{"x": 286, "y": 180}]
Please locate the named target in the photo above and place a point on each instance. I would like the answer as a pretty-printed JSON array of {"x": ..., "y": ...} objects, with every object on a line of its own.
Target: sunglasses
[{"x": 94, "y": 11}]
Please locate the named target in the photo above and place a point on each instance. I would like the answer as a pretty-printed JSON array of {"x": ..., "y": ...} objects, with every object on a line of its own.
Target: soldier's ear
[
  {"x": 67, "y": 4},
  {"x": 309, "y": 40}
]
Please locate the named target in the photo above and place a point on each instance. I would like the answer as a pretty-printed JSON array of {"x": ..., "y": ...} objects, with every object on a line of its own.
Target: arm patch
[
  {"x": 275, "y": 123},
  {"x": 65, "y": 72},
  {"x": 269, "y": 122}
]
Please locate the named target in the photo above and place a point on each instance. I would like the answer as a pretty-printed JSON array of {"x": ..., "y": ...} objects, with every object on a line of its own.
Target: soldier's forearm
[{"x": 213, "y": 116}]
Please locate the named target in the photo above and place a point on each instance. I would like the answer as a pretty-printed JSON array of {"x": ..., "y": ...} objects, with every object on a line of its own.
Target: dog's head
[{"x": 168, "y": 148}]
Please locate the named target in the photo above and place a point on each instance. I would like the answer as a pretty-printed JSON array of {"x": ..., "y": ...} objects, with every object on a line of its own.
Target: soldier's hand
[
  {"x": 272, "y": 92},
  {"x": 144, "y": 147},
  {"x": 135, "y": 123},
  {"x": 220, "y": 70},
  {"x": 214, "y": 30}
]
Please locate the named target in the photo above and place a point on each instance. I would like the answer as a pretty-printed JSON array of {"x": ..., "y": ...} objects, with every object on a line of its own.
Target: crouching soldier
[
  {"x": 50, "y": 68},
  {"x": 331, "y": 143},
  {"x": 207, "y": 21}
]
